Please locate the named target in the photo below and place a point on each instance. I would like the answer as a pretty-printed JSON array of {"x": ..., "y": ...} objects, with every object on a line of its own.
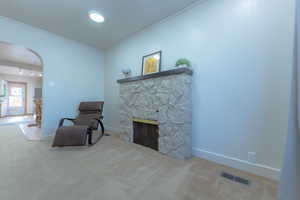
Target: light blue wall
[
  {"x": 290, "y": 176},
  {"x": 73, "y": 72},
  {"x": 241, "y": 52}
]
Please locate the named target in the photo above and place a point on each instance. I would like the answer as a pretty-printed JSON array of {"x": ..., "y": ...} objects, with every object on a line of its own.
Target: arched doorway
[{"x": 21, "y": 83}]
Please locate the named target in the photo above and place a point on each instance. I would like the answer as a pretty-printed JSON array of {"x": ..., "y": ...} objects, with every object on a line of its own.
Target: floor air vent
[{"x": 235, "y": 178}]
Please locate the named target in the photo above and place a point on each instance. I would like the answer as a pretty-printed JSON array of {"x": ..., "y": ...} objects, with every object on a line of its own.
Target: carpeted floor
[{"x": 115, "y": 170}]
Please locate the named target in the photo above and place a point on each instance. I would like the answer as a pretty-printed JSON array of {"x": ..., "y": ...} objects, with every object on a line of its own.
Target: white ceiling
[
  {"x": 69, "y": 18},
  {"x": 19, "y": 61},
  {"x": 17, "y": 56},
  {"x": 19, "y": 71}
]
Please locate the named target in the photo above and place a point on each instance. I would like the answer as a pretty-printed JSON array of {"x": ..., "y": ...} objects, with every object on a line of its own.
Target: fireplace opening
[{"x": 145, "y": 132}]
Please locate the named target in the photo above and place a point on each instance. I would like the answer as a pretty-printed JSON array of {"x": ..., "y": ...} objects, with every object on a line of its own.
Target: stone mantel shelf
[{"x": 158, "y": 74}]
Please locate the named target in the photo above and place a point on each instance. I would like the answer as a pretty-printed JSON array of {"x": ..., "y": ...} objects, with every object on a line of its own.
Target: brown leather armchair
[{"x": 88, "y": 121}]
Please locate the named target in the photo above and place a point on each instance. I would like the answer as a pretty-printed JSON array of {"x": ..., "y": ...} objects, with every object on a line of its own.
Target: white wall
[
  {"x": 241, "y": 52},
  {"x": 73, "y": 72},
  {"x": 32, "y": 82}
]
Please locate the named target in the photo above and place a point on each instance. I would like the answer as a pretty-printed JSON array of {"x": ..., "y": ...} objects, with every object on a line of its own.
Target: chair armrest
[
  {"x": 98, "y": 120},
  {"x": 61, "y": 122}
]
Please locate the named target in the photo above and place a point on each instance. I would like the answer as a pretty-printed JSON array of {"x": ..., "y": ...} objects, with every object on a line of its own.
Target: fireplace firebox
[{"x": 146, "y": 133}]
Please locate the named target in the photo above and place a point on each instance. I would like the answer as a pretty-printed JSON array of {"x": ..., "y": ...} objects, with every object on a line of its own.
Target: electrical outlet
[{"x": 252, "y": 157}]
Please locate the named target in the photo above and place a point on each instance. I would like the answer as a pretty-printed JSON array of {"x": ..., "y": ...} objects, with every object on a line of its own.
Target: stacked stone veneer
[{"x": 166, "y": 99}]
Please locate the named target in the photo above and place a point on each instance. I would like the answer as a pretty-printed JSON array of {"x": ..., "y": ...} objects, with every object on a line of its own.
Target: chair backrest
[{"x": 88, "y": 112}]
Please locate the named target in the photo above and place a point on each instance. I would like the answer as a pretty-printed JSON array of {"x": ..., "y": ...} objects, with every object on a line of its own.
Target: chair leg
[
  {"x": 90, "y": 137},
  {"x": 102, "y": 127}
]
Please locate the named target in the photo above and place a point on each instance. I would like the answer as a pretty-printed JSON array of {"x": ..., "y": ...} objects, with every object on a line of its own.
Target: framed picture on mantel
[{"x": 151, "y": 63}]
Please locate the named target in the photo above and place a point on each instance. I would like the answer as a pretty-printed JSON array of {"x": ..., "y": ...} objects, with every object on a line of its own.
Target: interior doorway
[
  {"x": 21, "y": 86},
  {"x": 17, "y": 99}
]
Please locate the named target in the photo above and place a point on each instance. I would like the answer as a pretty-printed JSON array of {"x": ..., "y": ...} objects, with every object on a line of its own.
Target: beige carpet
[{"x": 113, "y": 169}]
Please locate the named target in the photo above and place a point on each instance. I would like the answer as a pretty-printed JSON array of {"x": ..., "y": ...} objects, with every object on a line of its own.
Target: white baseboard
[
  {"x": 254, "y": 168},
  {"x": 258, "y": 169}
]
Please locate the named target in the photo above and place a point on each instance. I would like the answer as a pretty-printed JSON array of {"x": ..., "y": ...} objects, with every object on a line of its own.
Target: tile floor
[{"x": 17, "y": 119}]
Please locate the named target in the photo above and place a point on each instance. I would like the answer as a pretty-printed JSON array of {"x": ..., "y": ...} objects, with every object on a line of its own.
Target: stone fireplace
[{"x": 164, "y": 102}]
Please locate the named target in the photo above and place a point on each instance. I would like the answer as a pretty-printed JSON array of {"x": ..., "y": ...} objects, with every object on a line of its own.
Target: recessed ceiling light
[{"x": 96, "y": 17}]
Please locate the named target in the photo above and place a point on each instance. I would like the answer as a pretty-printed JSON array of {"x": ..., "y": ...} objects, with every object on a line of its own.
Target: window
[
  {"x": 16, "y": 91},
  {"x": 15, "y": 97}
]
